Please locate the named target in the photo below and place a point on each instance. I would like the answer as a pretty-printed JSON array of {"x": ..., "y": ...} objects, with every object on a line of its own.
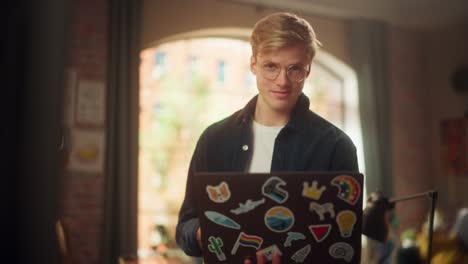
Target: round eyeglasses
[{"x": 295, "y": 73}]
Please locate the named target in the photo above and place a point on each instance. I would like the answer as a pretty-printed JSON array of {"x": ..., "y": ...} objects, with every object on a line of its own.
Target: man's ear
[
  {"x": 310, "y": 69},
  {"x": 253, "y": 60}
]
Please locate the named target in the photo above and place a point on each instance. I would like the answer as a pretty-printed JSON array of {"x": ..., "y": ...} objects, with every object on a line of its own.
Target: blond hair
[{"x": 282, "y": 30}]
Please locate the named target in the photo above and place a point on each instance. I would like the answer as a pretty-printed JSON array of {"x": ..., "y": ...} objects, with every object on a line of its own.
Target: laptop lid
[{"x": 305, "y": 216}]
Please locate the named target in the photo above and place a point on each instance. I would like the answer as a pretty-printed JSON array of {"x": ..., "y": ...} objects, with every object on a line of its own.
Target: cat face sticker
[{"x": 219, "y": 193}]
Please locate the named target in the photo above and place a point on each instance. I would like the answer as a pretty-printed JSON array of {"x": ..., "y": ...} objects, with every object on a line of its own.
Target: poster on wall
[
  {"x": 454, "y": 147},
  {"x": 87, "y": 151},
  {"x": 90, "y": 103}
]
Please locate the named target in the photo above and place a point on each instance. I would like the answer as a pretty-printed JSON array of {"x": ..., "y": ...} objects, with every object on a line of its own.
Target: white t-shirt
[{"x": 263, "y": 145}]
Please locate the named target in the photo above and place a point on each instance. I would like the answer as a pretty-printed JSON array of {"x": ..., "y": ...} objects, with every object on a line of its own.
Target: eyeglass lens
[{"x": 295, "y": 73}]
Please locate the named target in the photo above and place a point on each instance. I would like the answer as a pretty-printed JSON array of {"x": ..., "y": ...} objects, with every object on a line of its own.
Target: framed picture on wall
[
  {"x": 454, "y": 147},
  {"x": 90, "y": 103},
  {"x": 87, "y": 152}
]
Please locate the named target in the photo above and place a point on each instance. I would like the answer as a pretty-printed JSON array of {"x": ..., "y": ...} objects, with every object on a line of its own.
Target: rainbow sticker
[{"x": 349, "y": 189}]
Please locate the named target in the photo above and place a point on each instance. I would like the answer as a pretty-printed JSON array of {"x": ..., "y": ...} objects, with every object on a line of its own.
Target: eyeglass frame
[{"x": 262, "y": 71}]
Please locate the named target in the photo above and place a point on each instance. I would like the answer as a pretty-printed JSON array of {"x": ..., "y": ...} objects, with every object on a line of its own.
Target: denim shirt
[{"x": 307, "y": 143}]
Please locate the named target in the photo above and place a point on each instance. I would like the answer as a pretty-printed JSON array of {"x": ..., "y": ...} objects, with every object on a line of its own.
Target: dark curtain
[
  {"x": 31, "y": 102},
  {"x": 120, "y": 220},
  {"x": 369, "y": 55}
]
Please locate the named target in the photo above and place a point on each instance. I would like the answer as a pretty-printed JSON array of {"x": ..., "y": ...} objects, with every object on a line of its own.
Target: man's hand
[
  {"x": 199, "y": 239},
  {"x": 262, "y": 260}
]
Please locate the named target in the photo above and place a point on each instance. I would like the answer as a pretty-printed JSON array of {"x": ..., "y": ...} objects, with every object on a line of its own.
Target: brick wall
[
  {"x": 83, "y": 203},
  {"x": 409, "y": 124},
  {"x": 421, "y": 94}
]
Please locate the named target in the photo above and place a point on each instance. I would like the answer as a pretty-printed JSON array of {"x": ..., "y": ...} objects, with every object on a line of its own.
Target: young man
[{"x": 275, "y": 131}]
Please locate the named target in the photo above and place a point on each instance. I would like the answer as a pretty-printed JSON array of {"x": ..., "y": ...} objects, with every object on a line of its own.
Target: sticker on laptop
[
  {"x": 320, "y": 232},
  {"x": 312, "y": 191},
  {"x": 341, "y": 250},
  {"x": 219, "y": 193},
  {"x": 222, "y": 220},
  {"x": 214, "y": 246},
  {"x": 247, "y": 241},
  {"x": 279, "y": 219},
  {"x": 293, "y": 236},
  {"x": 273, "y": 190},
  {"x": 300, "y": 255},
  {"x": 269, "y": 251},
  {"x": 249, "y": 205},
  {"x": 348, "y": 188},
  {"x": 346, "y": 220},
  {"x": 322, "y": 209}
]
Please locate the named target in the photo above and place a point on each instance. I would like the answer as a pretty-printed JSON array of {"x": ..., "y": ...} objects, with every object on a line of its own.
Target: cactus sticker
[{"x": 215, "y": 247}]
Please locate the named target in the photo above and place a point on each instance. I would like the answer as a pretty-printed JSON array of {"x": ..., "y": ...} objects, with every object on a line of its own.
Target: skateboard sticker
[{"x": 221, "y": 220}]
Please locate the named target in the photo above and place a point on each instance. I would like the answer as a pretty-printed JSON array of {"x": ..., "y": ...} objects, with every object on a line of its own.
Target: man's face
[{"x": 280, "y": 94}]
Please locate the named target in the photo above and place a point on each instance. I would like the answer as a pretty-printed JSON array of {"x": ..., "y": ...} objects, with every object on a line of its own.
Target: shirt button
[{"x": 245, "y": 147}]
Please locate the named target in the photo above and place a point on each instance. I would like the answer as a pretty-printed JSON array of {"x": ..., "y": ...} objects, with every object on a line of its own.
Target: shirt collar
[{"x": 296, "y": 121}]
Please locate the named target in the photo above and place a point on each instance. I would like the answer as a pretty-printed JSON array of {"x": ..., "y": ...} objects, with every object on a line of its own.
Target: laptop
[{"x": 307, "y": 217}]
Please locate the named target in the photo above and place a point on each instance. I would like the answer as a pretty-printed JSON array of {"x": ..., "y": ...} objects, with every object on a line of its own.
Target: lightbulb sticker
[{"x": 346, "y": 220}]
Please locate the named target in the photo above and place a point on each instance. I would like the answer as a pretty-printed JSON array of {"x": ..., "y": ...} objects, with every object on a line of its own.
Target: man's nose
[{"x": 282, "y": 78}]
